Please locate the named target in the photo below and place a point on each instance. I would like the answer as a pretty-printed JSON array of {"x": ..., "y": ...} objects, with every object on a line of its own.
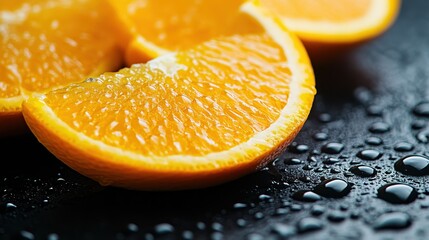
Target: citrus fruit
[
  {"x": 151, "y": 28},
  {"x": 48, "y": 44},
  {"x": 328, "y": 28},
  {"x": 331, "y": 27},
  {"x": 189, "y": 119}
]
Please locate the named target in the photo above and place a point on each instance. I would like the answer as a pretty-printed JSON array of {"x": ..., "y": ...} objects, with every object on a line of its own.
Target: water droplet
[
  {"x": 283, "y": 230},
  {"x": 61, "y": 180},
  {"x": 325, "y": 117},
  {"x": 295, "y": 207},
  {"x": 53, "y": 236},
  {"x": 423, "y": 136},
  {"x": 414, "y": 165},
  {"x": 255, "y": 236},
  {"x": 216, "y": 236},
  {"x": 91, "y": 79},
  {"x": 363, "y": 95},
  {"x": 297, "y": 148},
  {"x": 239, "y": 205},
  {"x": 201, "y": 225},
  {"x": 217, "y": 227},
  {"x": 374, "y": 141},
  {"x": 24, "y": 235},
  {"x": 132, "y": 228},
  {"x": 331, "y": 160},
  {"x": 363, "y": 171},
  {"x": 421, "y": 109},
  {"x": 369, "y": 154},
  {"x": 241, "y": 222},
  {"x": 281, "y": 211},
  {"x": 304, "y": 179},
  {"x": 344, "y": 207},
  {"x": 418, "y": 124},
  {"x": 424, "y": 204},
  {"x": 355, "y": 215},
  {"x": 292, "y": 161},
  {"x": 403, "y": 147},
  {"x": 8, "y": 207},
  {"x": 312, "y": 158},
  {"x": 374, "y": 111},
  {"x": 187, "y": 235},
  {"x": 264, "y": 197},
  {"x": 306, "y": 196},
  {"x": 355, "y": 161},
  {"x": 332, "y": 148},
  {"x": 164, "y": 228},
  {"x": 288, "y": 204},
  {"x": 333, "y": 188},
  {"x": 317, "y": 210},
  {"x": 320, "y": 136},
  {"x": 148, "y": 236},
  {"x": 307, "y": 167},
  {"x": 309, "y": 224},
  {"x": 259, "y": 215},
  {"x": 394, "y": 220},
  {"x": 397, "y": 193},
  {"x": 336, "y": 216},
  {"x": 379, "y": 127}
]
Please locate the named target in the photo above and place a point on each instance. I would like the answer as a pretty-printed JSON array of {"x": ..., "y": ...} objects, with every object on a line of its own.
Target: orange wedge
[
  {"x": 331, "y": 27},
  {"x": 190, "y": 119},
  {"x": 152, "y": 28},
  {"x": 48, "y": 44}
]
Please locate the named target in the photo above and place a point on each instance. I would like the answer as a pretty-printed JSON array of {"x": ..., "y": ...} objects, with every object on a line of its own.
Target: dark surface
[{"x": 380, "y": 82}]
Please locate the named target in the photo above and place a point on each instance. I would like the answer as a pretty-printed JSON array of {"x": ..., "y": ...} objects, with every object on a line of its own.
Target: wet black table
[{"x": 366, "y": 102}]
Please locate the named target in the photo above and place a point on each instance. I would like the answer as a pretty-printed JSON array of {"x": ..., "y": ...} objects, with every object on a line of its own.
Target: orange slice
[
  {"x": 331, "y": 27},
  {"x": 189, "y": 119},
  {"x": 48, "y": 44},
  {"x": 151, "y": 28}
]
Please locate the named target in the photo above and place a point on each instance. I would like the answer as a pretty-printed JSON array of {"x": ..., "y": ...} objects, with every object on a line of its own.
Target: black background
[{"x": 389, "y": 74}]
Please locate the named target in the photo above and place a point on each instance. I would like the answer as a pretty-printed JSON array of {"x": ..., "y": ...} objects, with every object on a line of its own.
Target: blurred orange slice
[
  {"x": 331, "y": 27},
  {"x": 48, "y": 44}
]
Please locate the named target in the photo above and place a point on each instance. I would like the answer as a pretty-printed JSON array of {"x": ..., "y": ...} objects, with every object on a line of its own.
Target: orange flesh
[
  {"x": 206, "y": 100},
  {"x": 46, "y": 44},
  {"x": 8, "y": 87},
  {"x": 320, "y": 10},
  {"x": 185, "y": 23}
]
